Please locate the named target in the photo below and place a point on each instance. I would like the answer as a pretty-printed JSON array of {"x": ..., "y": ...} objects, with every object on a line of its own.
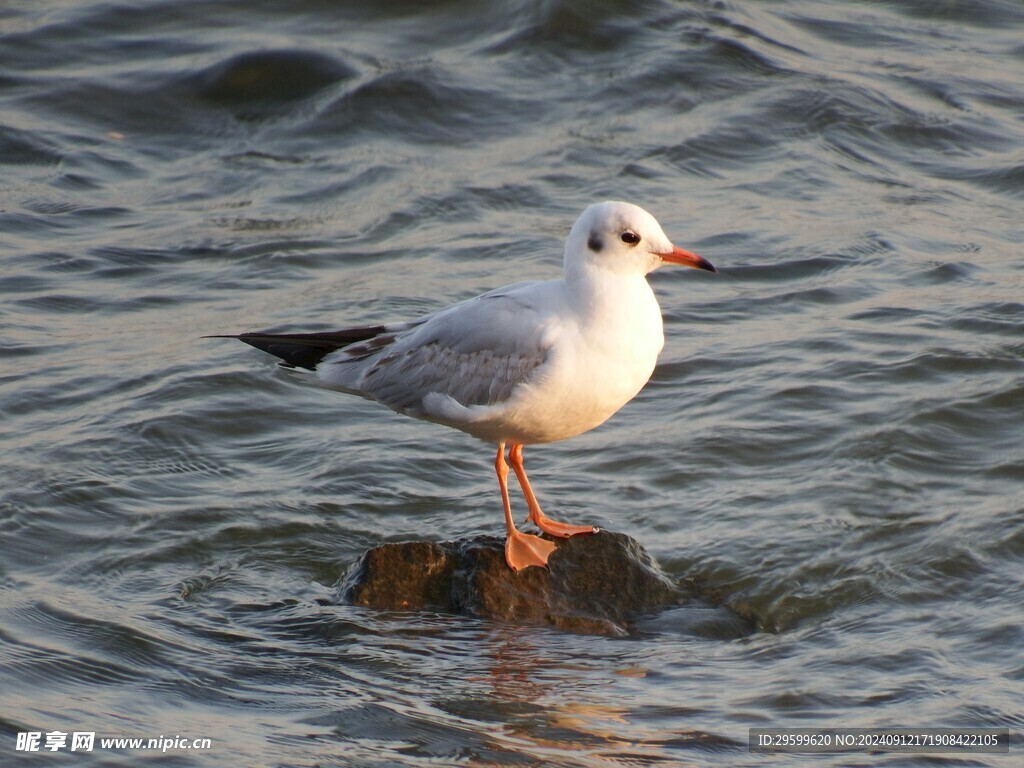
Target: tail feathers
[{"x": 306, "y": 350}]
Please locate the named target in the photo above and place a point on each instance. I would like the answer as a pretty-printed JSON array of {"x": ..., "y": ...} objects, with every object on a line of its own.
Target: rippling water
[{"x": 834, "y": 441}]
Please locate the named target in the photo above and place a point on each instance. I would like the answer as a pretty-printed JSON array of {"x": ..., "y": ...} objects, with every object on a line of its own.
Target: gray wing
[{"x": 476, "y": 352}]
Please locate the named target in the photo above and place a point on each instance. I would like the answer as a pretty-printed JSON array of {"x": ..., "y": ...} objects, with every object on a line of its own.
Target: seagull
[{"x": 532, "y": 362}]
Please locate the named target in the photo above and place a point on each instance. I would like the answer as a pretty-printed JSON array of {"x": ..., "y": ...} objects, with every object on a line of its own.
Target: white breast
[{"x": 601, "y": 356}]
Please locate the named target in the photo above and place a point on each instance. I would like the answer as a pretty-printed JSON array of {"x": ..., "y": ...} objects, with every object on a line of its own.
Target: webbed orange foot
[
  {"x": 555, "y": 528},
  {"x": 524, "y": 549}
]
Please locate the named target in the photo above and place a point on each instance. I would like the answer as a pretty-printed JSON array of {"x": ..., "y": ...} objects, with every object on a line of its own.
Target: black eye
[{"x": 630, "y": 238}]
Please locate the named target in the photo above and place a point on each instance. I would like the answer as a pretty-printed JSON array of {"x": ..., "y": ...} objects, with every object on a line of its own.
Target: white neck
[{"x": 616, "y": 306}]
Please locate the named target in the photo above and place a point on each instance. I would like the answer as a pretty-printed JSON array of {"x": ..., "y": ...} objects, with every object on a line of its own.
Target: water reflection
[{"x": 550, "y": 710}]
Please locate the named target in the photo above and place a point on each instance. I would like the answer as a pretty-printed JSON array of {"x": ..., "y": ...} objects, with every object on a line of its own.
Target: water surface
[{"x": 832, "y": 442}]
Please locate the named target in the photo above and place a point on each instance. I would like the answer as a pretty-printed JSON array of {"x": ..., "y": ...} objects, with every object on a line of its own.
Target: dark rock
[{"x": 594, "y": 584}]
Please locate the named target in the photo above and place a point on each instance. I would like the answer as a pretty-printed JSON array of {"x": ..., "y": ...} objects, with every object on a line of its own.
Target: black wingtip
[
  {"x": 294, "y": 352},
  {"x": 303, "y": 350}
]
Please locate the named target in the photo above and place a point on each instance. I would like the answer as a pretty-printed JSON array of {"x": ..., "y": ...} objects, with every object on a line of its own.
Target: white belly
[{"x": 585, "y": 384}]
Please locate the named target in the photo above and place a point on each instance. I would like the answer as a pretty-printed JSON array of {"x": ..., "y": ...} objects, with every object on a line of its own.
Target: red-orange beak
[{"x": 687, "y": 259}]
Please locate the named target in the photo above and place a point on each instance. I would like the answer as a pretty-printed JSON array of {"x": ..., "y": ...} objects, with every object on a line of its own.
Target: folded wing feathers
[
  {"x": 402, "y": 379},
  {"x": 454, "y": 352}
]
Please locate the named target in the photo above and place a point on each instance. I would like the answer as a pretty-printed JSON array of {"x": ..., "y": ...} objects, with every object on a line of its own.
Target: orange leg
[
  {"x": 542, "y": 521},
  {"x": 521, "y": 549}
]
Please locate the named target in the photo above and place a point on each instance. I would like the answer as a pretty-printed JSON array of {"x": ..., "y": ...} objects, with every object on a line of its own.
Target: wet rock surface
[{"x": 605, "y": 584}]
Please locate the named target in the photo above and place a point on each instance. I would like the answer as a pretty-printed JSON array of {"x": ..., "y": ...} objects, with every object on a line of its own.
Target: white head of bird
[{"x": 622, "y": 238}]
